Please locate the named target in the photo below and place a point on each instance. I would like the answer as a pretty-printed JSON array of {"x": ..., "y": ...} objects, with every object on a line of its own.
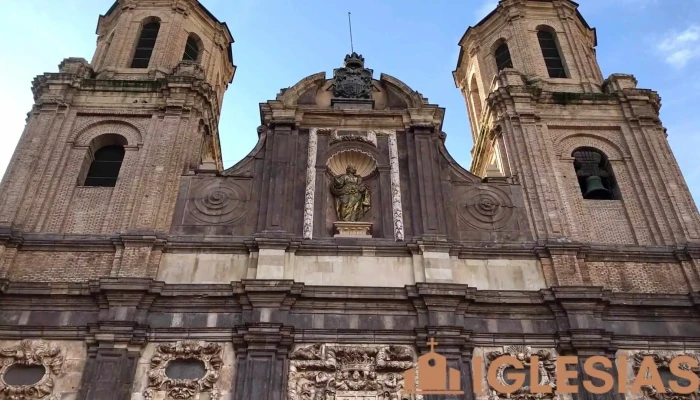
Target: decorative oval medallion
[
  {"x": 487, "y": 207},
  {"x": 215, "y": 202},
  {"x": 186, "y": 368},
  {"x": 24, "y": 375}
]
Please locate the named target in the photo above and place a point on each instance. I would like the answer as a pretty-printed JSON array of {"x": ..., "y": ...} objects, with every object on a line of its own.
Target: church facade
[{"x": 348, "y": 242}]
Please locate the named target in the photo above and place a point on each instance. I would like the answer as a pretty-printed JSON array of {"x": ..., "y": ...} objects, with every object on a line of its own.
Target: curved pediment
[{"x": 318, "y": 91}]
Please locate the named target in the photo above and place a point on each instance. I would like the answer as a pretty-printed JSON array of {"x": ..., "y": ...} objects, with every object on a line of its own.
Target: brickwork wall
[
  {"x": 539, "y": 136},
  {"x": 119, "y": 33},
  {"x": 88, "y": 209},
  {"x": 639, "y": 277},
  {"x": 59, "y": 266},
  {"x": 574, "y": 40}
]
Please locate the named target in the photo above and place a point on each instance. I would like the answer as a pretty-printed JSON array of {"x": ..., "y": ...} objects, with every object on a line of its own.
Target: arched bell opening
[{"x": 595, "y": 175}]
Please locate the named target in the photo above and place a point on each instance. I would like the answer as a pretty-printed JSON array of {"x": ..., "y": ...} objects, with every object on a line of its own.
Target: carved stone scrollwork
[
  {"x": 310, "y": 184},
  {"x": 30, "y": 353},
  {"x": 366, "y": 137},
  {"x": 182, "y": 389},
  {"x": 336, "y": 372},
  {"x": 547, "y": 372},
  {"x": 218, "y": 202},
  {"x": 396, "y": 206},
  {"x": 662, "y": 359}
]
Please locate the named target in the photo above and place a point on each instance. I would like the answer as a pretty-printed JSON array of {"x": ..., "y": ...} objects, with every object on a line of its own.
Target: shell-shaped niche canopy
[{"x": 363, "y": 162}]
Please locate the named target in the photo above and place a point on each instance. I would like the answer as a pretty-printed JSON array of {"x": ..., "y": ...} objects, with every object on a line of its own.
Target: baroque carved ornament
[
  {"x": 340, "y": 372},
  {"x": 353, "y": 81},
  {"x": 207, "y": 354},
  {"x": 34, "y": 355},
  {"x": 546, "y": 372},
  {"x": 663, "y": 359},
  {"x": 310, "y": 184}
]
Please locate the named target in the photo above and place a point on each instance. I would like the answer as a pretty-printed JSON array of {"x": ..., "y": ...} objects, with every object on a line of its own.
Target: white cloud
[{"x": 678, "y": 48}]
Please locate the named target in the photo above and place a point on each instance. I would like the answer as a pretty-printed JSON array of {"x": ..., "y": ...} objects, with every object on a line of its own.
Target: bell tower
[
  {"x": 591, "y": 153},
  {"x": 107, "y": 142}
]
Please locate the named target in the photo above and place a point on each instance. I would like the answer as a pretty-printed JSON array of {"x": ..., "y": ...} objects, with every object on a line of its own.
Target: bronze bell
[{"x": 595, "y": 189}]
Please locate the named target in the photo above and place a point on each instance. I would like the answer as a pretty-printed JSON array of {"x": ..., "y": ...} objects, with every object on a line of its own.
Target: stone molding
[
  {"x": 25, "y": 241},
  {"x": 27, "y": 353},
  {"x": 183, "y": 389}
]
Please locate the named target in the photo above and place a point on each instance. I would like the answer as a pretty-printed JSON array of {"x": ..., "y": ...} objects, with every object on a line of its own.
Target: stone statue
[{"x": 352, "y": 197}]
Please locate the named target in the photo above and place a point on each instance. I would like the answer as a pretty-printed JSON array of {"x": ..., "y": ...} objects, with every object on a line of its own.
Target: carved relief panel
[
  {"x": 489, "y": 211},
  {"x": 662, "y": 360},
  {"x": 349, "y": 372},
  {"x": 29, "y": 371},
  {"x": 546, "y": 372},
  {"x": 184, "y": 370},
  {"x": 217, "y": 205}
]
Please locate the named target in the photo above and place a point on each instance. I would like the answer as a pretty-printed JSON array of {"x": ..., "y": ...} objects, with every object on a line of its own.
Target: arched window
[
  {"x": 104, "y": 160},
  {"x": 145, "y": 45},
  {"x": 502, "y": 55},
  {"x": 192, "y": 49},
  {"x": 595, "y": 175},
  {"x": 550, "y": 52}
]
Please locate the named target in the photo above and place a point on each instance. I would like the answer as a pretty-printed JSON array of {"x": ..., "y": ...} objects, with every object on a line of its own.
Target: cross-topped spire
[{"x": 432, "y": 343}]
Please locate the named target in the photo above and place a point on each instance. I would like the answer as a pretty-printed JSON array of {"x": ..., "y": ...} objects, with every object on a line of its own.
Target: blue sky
[{"x": 279, "y": 42}]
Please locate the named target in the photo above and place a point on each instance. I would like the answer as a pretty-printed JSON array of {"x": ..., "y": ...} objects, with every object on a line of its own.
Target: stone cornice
[
  {"x": 590, "y": 252},
  {"x": 258, "y": 315}
]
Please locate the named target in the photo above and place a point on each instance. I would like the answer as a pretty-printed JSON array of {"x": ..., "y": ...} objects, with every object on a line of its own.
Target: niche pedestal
[{"x": 362, "y": 230}]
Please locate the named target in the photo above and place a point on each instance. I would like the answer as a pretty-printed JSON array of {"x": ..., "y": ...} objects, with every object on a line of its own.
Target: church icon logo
[{"x": 433, "y": 375}]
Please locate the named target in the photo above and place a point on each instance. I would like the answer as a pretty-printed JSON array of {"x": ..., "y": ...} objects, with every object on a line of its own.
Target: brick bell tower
[
  {"x": 106, "y": 141},
  {"x": 591, "y": 153}
]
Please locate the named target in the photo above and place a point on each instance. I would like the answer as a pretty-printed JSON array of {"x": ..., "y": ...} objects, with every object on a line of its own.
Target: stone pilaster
[
  {"x": 138, "y": 255},
  {"x": 262, "y": 351},
  {"x": 579, "y": 314},
  {"x": 115, "y": 341},
  {"x": 423, "y": 151},
  {"x": 278, "y": 178},
  {"x": 456, "y": 345}
]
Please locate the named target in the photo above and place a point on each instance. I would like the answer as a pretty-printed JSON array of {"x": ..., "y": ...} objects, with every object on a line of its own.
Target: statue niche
[{"x": 352, "y": 198}]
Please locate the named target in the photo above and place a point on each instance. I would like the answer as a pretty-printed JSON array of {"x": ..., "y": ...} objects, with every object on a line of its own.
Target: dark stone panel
[
  {"x": 228, "y": 320},
  {"x": 508, "y": 325},
  {"x": 10, "y": 317},
  {"x": 195, "y": 320},
  {"x": 370, "y": 322},
  {"x": 83, "y": 318},
  {"x": 299, "y": 181},
  {"x": 336, "y": 321},
  {"x": 44, "y": 318},
  {"x": 260, "y": 377},
  {"x": 539, "y": 326},
  {"x": 478, "y": 325},
  {"x": 109, "y": 375},
  {"x": 301, "y": 321},
  {"x": 160, "y": 320}
]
